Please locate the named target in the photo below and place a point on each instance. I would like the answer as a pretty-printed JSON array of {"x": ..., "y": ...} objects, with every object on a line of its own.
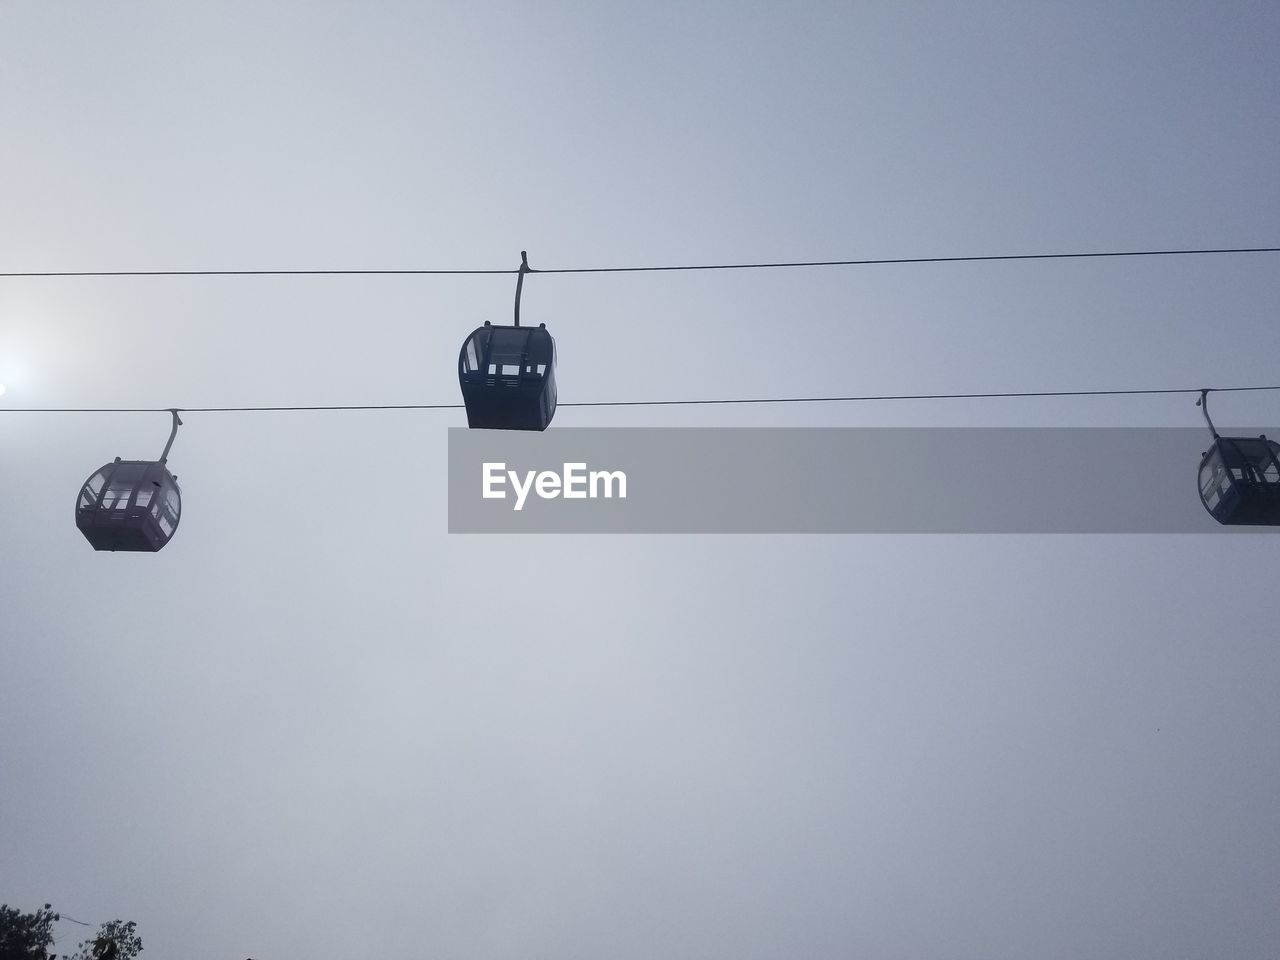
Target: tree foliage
[
  {"x": 116, "y": 940},
  {"x": 26, "y": 936}
]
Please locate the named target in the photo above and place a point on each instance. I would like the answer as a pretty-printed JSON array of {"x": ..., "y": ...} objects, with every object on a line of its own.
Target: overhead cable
[
  {"x": 764, "y": 265},
  {"x": 717, "y": 401}
]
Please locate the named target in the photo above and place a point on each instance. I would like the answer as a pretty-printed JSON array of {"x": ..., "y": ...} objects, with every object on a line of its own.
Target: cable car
[
  {"x": 1240, "y": 478},
  {"x": 508, "y": 374},
  {"x": 131, "y": 505}
]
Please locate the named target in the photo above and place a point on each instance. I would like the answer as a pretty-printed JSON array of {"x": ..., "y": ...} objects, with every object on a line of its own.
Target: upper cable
[{"x": 764, "y": 265}]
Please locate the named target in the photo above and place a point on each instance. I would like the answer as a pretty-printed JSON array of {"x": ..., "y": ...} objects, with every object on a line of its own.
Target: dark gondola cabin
[
  {"x": 129, "y": 505},
  {"x": 1240, "y": 480},
  {"x": 508, "y": 377}
]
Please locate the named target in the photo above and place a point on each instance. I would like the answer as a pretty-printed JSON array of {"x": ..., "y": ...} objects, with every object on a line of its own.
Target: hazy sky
[{"x": 317, "y": 725}]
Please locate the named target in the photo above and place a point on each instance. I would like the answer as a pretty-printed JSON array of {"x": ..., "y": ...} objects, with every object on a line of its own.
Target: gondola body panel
[
  {"x": 508, "y": 378},
  {"x": 1240, "y": 481},
  {"x": 129, "y": 505}
]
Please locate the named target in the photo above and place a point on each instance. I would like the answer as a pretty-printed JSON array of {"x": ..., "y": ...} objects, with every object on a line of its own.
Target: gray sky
[{"x": 317, "y": 725}]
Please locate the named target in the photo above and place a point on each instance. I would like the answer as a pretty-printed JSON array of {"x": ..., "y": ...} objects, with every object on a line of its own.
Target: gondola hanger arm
[
  {"x": 1203, "y": 404},
  {"x": 177, "y": 422},
  {"x": 524, "y": 268}
]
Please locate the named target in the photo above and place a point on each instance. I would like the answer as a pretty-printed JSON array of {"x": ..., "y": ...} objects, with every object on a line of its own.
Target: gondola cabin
[
  {"x": 1240, "y": 481},
  {"x": 508, "y": 377},
  {"x": 129, "y": 505}
]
